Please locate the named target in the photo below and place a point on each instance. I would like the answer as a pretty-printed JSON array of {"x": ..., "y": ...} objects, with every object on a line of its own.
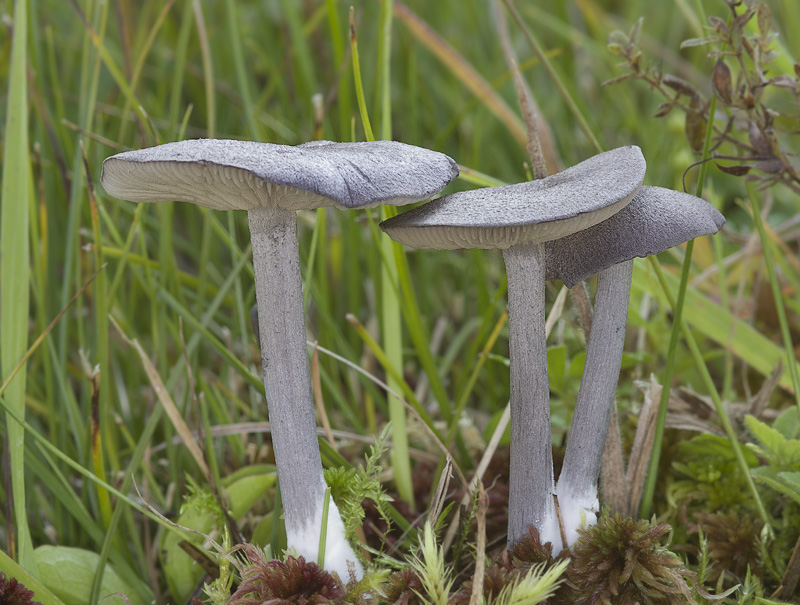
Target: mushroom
[
  {"x": 271, "y": 182},
  {"x": 656, "y": 219},
  {"x": 518, "y": 219}
]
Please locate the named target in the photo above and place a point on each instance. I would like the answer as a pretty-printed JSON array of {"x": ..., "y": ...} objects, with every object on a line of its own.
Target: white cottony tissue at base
[
  {"x": 577, "y": 512},
  {"x": 338, "y": 552}
]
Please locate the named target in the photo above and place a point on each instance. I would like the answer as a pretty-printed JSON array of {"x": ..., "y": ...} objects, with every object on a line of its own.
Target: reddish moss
[
  {"x": 404, "y": 588},
  {"x": 13, "y": 592},
  {"x": 281, "y": 583}
]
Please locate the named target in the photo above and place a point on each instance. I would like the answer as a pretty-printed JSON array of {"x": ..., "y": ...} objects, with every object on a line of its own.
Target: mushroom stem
[
  {"x": 577, "y": 485},
  {"x": 284, "y": 362},
  {"x": 530, "y": 501}
]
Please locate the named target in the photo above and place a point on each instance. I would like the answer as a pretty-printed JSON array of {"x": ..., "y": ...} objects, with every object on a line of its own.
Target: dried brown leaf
[
  {"x": 759, "y": 140},
  {"x": 771, "y": 166},
  {"x": 682, "y": 87},
  {"x": 718, "y": 24},
  {"x": 695, "y": 128},
  {"x": 784, "y": 82},
  {"x": 723, "y": 85},
  {"x": 736, "y": 170}
]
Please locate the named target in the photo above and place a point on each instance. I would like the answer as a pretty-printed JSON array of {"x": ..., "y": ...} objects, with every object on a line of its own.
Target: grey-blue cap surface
[
  {"x": 240, "y": 175},
  {"x": 656, "y": 219},
  {"x": 535, "y": 211}
]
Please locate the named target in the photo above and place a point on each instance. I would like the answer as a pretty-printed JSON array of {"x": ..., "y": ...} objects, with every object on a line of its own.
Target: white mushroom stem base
[
  {"x": 338, "y": 552},
  {"x": 577, "y": 485},
  {"x": 530, "y": 500},
  {"x": 284, "y": 361}
]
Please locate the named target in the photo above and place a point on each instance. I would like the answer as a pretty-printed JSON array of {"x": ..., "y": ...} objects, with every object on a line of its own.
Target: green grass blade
[
  {"x": 235, "y": 38},
  {"x": 766, "y": 246},
  {"x": 562, "y": 89},
  {"x": 13, "y": 570},
  {"x": 391, "y": 325},
  {"x": 15, "y": 283},
  {"x": 393, "y": 256},
  {"x": 666, "y": 382},
  {"x": 715, "y": 398}
]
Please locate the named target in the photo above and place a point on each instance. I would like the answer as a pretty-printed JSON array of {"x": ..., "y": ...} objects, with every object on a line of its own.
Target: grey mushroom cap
[
  {"x": 657, "y": 219},
  {"x": 241, "y": 175},
  {"x": 535, "y": 211}
]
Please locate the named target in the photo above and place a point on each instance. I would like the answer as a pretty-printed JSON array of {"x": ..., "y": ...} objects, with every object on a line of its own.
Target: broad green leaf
[
  {"x": 710, "y": 319},
  {"x": 245, "y": 492},
  {"x": 556, "y": 367},
  {"x": 68, "y": 573},
  {"x": 771, "y": 477},
  {"x": 181, "y": 571},
  {"x": 788, "y": 423},
  {"x": 576, "y": 365},
  {"x": 201, "y": 513},
  {"x": 770, "y": 439}
]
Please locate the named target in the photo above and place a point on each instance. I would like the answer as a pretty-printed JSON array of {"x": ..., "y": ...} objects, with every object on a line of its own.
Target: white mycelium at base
[
  {"x": 305, "y": 540},
  {"x": 577, "y": 512},
  {"x": 551, "y": 532}
]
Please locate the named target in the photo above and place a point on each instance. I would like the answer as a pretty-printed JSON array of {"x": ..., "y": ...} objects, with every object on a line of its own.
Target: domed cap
[
  {"x": 240, "y": 175},
  {"x": 656, "y": 220},
  {"x": 535, "y": 211}
]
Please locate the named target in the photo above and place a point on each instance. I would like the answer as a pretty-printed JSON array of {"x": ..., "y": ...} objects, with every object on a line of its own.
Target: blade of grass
[
  {"x": 391, "y": 370},
  {"x": 208, "y": 70},
  {"x": 707, "y": 317},
  {"x": 15, "y": 254},
  {"x": 100, "y": 415},
  {"x": 666, "y": 382},
  {"x": 462, "y": 69},
  {"x": 562, "y": 89},
  {"x": 155, "y": 28},
  {"x": 766, "y": 247},
  {"x": 235, "y": 41},
  {"x": 391, "y": 328},
  {"x": 180, "y": 67},
  {"x": 13, "y": 570},
  {"x": 362, "y": 104},
  {"x": 717, "y": 401},
  {"x": 300, "y": 48},
  {"x": 87, "y": 474},
  {"x": 119, "y": 78}
]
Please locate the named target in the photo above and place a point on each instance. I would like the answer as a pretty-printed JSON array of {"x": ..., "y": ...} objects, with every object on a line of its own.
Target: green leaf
[
  {"x": 556, "y": 367},
  {"x": 697, "y": 42},
  {"x": 15, "y": 255},
  {"x": 771, "y": 477},
  {"x": 712, "y": 320},
  {"x": 788, "y": 423},
  {"x": 245, "y": 492},
  {"x": 200, "y": 513},
  {"x": 770, "y": 439},
  {"x": 576, "y": 365},
  {"x": 780, "y": 451},
  {"x": 68, "y": 573}
]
